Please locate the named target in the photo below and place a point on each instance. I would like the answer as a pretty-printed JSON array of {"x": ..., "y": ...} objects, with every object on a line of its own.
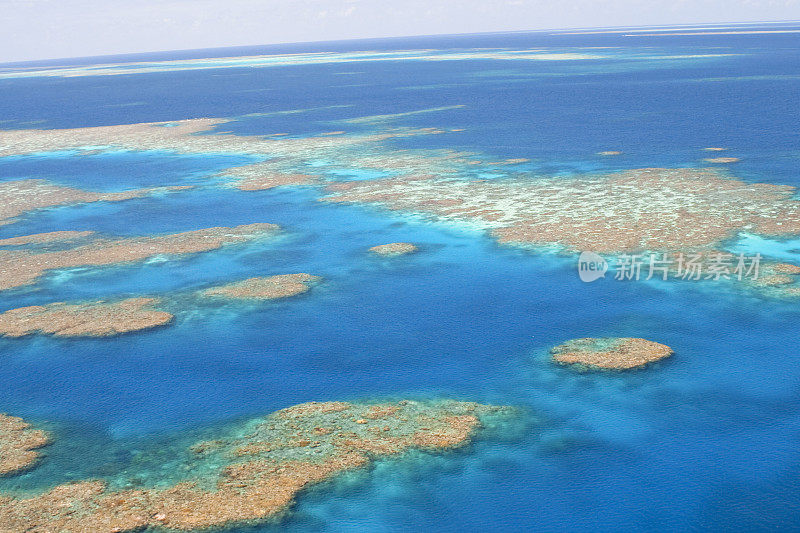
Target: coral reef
[
  {"x": 92, "y": 319},
  {"x": 394, "y": 249},
  {"x": 265, "y": 288},
  {"x": 23, "y": 267},
  {"x": 616, "y": 353},
  {"x": 18, "y": 445},
  {"x": 649, "y": 209},
  {"x": 631, "y": 211},
  {"x": 256, "y": 471},
  {"x": 778, "y": 280},
  {"x": 772, "y": 280},
  {"x": 45, "y": 238},
  {"x": 267, "y": 175},
  {"x": 182, "y": 137},
  {"x": 786, "y": 268},
  {"x": 721, "y": 159},
  {"x": 20, "y": 196}
]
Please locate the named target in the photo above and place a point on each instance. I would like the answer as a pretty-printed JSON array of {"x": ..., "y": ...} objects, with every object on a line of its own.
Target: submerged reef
[
  {"x": 92, "y": 319},
  {"x": 630, "y": 211},
  {"x": 265, "y": 288},
  {"x": 18, "y": 444},
  {"x": 255, "y": 471},
  {"x": 721, "y": 159},
  {"x": 779, "y": 280},
  {"x": 615, "y": 353},
  {"x": 394, "y": 249},
  {"x": 786, "y": 268},
  {"x": 23, "y": 267},
  {"x": 20, "y": 196}
]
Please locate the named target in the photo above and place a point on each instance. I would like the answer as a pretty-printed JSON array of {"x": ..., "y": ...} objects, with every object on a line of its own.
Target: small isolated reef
[
  {"x": 610, "y": 353},
  {"x": 251, "y": 473},
  {"x": 265, "y": 288},
  {"x": 394, "y": 249}
]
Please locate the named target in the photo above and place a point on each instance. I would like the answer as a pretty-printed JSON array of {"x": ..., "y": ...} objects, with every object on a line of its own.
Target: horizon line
[{"x": 577, "y": 30}]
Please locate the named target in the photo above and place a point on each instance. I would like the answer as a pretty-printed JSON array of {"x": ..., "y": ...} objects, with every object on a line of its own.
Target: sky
[{"x": 50, "y": 29}]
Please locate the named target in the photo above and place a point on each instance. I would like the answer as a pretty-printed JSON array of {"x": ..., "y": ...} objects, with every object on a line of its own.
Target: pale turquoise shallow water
[{"x": 705, "y": 440}]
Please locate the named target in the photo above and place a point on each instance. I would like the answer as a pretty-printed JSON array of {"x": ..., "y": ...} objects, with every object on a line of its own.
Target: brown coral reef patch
[
  {"x": 786, "y": 268},
  {"x": 18, "y": 444},
  {"x": 23, "y": 267},
  {"x": 394, "y": 249},
  {"x": 267, "y": 175},
  {"x": 620, "y": 353},
  {"x": 285, "y": 452},
  {"x": 20, "y": 196},
  {"x": 92, "y": 319},
  {"x": 636, "y": 210},
  {"x": 45, "y": 238},
  {"x": 265, "y": 288}
]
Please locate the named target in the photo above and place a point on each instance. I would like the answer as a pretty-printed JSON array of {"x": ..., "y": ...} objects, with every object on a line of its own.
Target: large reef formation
[
  {"x": 19, "y": 443},
  {"x": 265, "y": 288},
  {"x": 21, "y": 196},
  {"x": 23, "y": 267},
  {"x": 182, "y": 136},
  {"x": 284, "y": 155},
  {"x": 255, "y": 472},
  {"x": 612, "y": 353},
  {"x": 630, "y": 211},
  {"x": 92, "y": 319}
]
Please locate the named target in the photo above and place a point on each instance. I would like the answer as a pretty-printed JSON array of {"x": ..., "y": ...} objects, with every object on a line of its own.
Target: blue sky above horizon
[{"x": 49, "y": 29}]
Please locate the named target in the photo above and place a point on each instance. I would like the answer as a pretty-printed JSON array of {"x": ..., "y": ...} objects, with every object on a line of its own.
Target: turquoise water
[{"x": 705, "y": 440}]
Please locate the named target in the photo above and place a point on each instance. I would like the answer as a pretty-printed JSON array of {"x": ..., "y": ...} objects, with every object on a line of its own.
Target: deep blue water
[{"x": 706, "y": 440}]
